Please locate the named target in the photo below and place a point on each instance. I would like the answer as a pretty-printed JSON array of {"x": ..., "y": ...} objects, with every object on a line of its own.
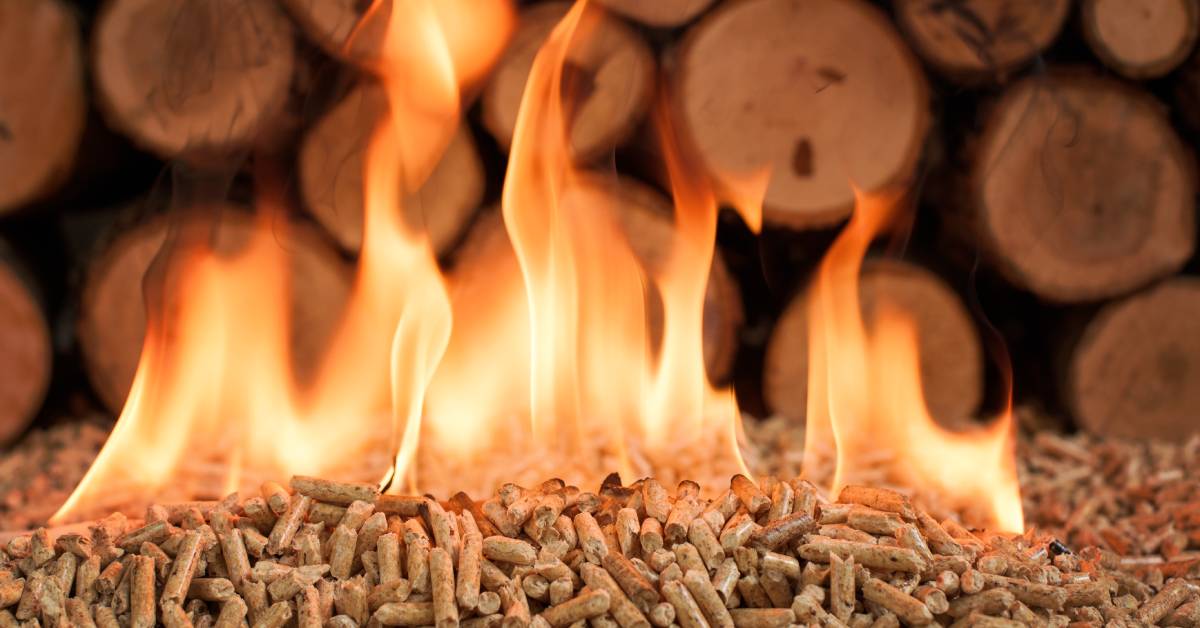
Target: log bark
[
  {"x": 331, "y": 175},
  {"x": 43, "y": 107},
  {"x": 25, "y": 345},
  {"x": 112, "y": 317},
  {"x": 608, "y": 80},
  {"x": 192, "y": 77},
  {"x": 952, "y": 369},
  {"x": 485, "y": 271},
  {"x": 1134, "y": 372},
  {"x": 817, "y": 94},
  {"x": 658, "y": 14},
  {"x": 1141, "y": 39},
  {"x": 981, "y": 41},
  {"x": 1081, "y": 189}
]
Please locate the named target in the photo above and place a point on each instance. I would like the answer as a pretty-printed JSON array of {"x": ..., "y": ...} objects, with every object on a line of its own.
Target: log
[
  {"x": 485, "y": 267},
  {"x": 1141, "y": 39},
  {"x": 608, "y": 80},
  {"x": 1134, "y": 371},
  {"x": 112, "y": 317},
  {"x": 25, "y": 345},
  {"x": 658, "y": 14},
  {"x": 834, "y": 97},
  {"x": 952, "y": 369},
  {"x": 192, "y": 78},
  {"x": 981, "y": 41},
  {"x": 354, "y": 31},
  {"x": 1081, "y": 189},
  {"x": 331, "y": 175},
  {"x": 44, "y": 106}
]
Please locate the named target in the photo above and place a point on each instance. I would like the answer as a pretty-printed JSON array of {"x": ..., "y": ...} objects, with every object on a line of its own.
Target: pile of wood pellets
[{"x": 760, "y": 555}]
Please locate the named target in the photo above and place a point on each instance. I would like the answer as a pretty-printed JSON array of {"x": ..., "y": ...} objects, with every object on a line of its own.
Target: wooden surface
[
  {"x": 1082, "y": 188},
  {"x": 608, "y": 80},
  {"x": 192, "y": 76},
  {"x": 951, "y": 357},
  {"x": 780, "y": 86},
  {"x": 331, "y": 175},
  {"x": 973, "y": 41},
  {"x": 112, "y": 320},
  {"x": 1141, "y": 39},
  {"x": 42, "y": 99},
  {"x": 25, "y": 347},
  {"x": 1134, "y": 372}
]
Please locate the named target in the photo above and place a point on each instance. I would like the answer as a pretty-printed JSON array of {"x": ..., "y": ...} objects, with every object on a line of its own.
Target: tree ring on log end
[
  {"x": 1083, "y": 189},
  {"x": 981, "y": 40},
  {"x": 1141, "y": 39},
  {"x": 607, "y": 57},
  {"x": 1134, "y": 373},
  {"x": 835, "y": 101},
  {"x": 192, "y": 76}
]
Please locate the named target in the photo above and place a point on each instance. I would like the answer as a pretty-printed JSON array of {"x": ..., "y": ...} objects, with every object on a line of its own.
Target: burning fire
[
  {"x": 550, "y": 370},
  {"x": 865, "y": 401}
]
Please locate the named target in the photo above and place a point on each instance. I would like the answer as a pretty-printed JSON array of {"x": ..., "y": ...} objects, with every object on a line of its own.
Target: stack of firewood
[
  {"x": 766, "y": 555},
  {"x": 1046, "y": 139}
]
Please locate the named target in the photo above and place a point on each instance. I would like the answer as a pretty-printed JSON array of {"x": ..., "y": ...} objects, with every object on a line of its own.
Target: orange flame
[
  {"x": 214, "y": 380},
  {"x": 588, "y": 380},
  {"x": 865, "y": 399}
]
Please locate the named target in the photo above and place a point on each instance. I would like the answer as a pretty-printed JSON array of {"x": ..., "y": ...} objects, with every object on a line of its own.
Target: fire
[
  {"x": 547, "y": 369},
  {"x": 865, "y": 401}
]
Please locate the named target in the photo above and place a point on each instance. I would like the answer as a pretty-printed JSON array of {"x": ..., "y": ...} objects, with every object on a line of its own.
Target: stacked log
[
  {"x": 192, "y": 77},
  {"x": 820, "y": 111},
  {"x": 25, "y": 345},
  {"x": 42, "y": 91},
  {"x": 112, "y": 318},
  {"x": 951, "y": 357}
]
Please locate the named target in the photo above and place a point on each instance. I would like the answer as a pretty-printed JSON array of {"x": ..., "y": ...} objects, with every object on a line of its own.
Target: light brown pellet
[
  {"x": 404, "y": 614},
  {"x": 506, "y": 550},
  {"x": 725, "y": 580},
  {"x": 441, "y": 576},
  {"x": 711, "y": 604},
  {"x": 182, "y": 569},
  {"x": 276, "y": 616},
  {"x": 705, "y": 541},
  {"x": 341, "y": 551},
  {"x": 233, "y": 612},
  {"x": 687, "y": 612},
  {"x": 631, "y": 581},
  {"x": 907, "y": 608},
  {"x": 308, "y": 608},
  {"x": 588, "y": 605},
  {"x": 341, "y": 493},
  {"x": 141, "y": 595},
  {"x": 751, "y": 496},
  {"x": 762, "y": 617},
  {"x": 650, "y": 536},
  {"x": 286, "y": 526}
]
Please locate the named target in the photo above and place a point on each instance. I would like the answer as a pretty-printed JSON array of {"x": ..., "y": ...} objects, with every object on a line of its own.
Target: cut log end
[
  {"x": 192, "y": 77},
  {"x": 660, "y": 13},
  {"x": 25, "y": 345},
  {"x": 834, "y": 97},
  {"x": 486, "y": 272},
  {"x": 1135, "y": 372},
  {"x": 950, "y": 352},
  {"x": 1083, "y": 191},
  {"x": 44, "y": 106},
  {"x": 608, "y": 80},
  {"x": 112, "y": 321},
  {"x": 1141, "y": 39},
  {"x": 976, "y": 41},
  {"x": 331, "y": 175}
]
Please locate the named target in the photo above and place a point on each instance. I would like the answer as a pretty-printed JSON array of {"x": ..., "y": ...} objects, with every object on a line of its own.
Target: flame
[
  {"x": 569, "y": 399},
  {"x": 214, "y": 381},
  {"x": 865, "y": 398},
  {"x": 548, "y": 367}
]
